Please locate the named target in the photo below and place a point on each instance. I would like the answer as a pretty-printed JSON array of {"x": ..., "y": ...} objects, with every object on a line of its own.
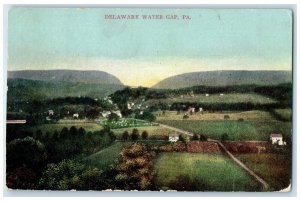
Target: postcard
[{"x": 149, "y": 99}]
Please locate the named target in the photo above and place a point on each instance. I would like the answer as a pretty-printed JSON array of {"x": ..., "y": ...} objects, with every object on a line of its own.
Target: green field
[
  {"x": 235, "y": 130},
  {"x": 253, "y": 115},
  {"x": 153, "y": 131},
  {"x": 275, "y": 169},
  {"x": 216, "y": 98},
  {"x": 126, "y": 123},
  {"x": 284, "y": 114},
  {"x": 106, "y": 157},
  {"x": 52, "y": 127},
  {"x": 201, "y": 172}
]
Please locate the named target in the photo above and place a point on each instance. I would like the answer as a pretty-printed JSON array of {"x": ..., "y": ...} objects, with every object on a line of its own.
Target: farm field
[
  {"x": 284, "y": 114},
  {"x": 216, "y": 98},
  {"x": 52, "y": 127},
  {"x": 201, "y": 172},
  {"x": 254, "y": 115},
  {"x": 106, "y": 157},
  {"x": 275, "y": 169},
  {"x": 236, "y": 130},
  {"x": 153, "y": 131}
]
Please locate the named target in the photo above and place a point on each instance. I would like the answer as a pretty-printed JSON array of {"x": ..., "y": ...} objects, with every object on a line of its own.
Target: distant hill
[
  {"x": 95, "y": 77},
  {"x": 21, "y": 89},
  {"x": 225, "y": 78}
]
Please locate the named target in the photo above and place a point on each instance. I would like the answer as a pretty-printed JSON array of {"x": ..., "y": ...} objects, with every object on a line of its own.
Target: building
[
  {"x": 76, "y": 115},
  {"x": 173, "y": 138},
  {"x": 277, "y": 139},
  {"x": 50, "y": 112},
  {"x": 191, "y": 110}
]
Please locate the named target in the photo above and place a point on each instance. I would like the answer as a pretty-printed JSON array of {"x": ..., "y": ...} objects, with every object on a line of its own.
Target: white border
[{"x": 171, "y": 3}]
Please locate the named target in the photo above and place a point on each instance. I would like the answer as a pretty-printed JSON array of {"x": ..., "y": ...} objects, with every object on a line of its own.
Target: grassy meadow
[
  {"x": 275, "y": 169},
  {"x": 217, "y": 98},
  {"x": 254, "y": 115},
  {"x": 106, "y": 157},
  {"x": 58, "y": 127},
  {"x": 201, "y": 172},
  {"x": 236, "y": 130}
]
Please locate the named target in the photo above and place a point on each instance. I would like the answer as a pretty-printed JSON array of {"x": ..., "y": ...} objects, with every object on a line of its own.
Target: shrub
[
  {"x": 203, "y": 137},
  {"x": 135, "y": 134},
  {"x": 145, "y": 135},
  {"x": 195, "y": 137},
  {"x": 27, "y": 151},
  {"x": 185, "y": 116},
  {"x": 224, "y": 137},
  {"x": 226, "y": 117},
  {"x": 125, "y": 135}
]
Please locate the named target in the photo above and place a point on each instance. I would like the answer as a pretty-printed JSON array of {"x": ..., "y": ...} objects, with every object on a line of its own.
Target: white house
[
  {"x": 206, "y": 95},
  {"x": 173, "y": 138},
  {"x": 50, "y": 112},
  {"x": 76, "y": 115},
  {"x": 277, "y": 139},
  {"x": 118, "y": 112},
  {"x": 200, "y": 109}
]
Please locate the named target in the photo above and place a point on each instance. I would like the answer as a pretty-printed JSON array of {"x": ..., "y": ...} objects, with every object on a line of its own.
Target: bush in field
[
  {"x": 185, "y": 116},
  {"x": 134, "y": 168},
  {"x": 224, "y": 137},
  {"x": 183, "y": 138},
  {"x": 226, "y": 117},
  {"x": 113, "y": 117},
  {"x": 125, "y": 135},
  {"x": 145, "y": 135},
  {"x": 195, "y": 137},
  {"x": 241, "y": 119},
  {"x": 68, "y": 175},
  {"x": 203, "y": 137},
  {"x": 27, "y": 151},
  {"x": 135, "y": 134},
  {"x": 148, "y": 116}
]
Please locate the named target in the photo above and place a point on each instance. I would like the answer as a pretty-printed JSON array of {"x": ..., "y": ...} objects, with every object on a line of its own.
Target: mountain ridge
[
  {"x": 57, "y": 75},
  {"x": 225, "y": 78}
]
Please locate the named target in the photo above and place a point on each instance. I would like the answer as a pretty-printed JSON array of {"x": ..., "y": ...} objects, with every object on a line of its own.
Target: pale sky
[{"x": 143, "y": 52}]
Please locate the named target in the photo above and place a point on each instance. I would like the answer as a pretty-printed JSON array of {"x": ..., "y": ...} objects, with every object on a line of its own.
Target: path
[
  {"x": 242, "y": 165},
  {"x": 176, "y": 129}
]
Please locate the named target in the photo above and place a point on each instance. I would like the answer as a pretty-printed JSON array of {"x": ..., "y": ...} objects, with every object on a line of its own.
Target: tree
[
  {"x": 195, "y": 137},
  {"x": 27, "y": 151},
  {"x": 113, "y": 117},
  {"x": 75, "y": 176},
  {"x": 145, "y": 135},
  {"x": 125, "y": 135},
  {"x": 203, "y": 137},
  {"x": 38, "y": 135},
  {"x": 64, "y": 133},
  {"x": 73, "y": 132},
  {"x": 135, "y": 134},
  {"x": 134, "y": 168},
  {"x": 183, "y": 138},
  {"x": 224, "y": 137}
]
